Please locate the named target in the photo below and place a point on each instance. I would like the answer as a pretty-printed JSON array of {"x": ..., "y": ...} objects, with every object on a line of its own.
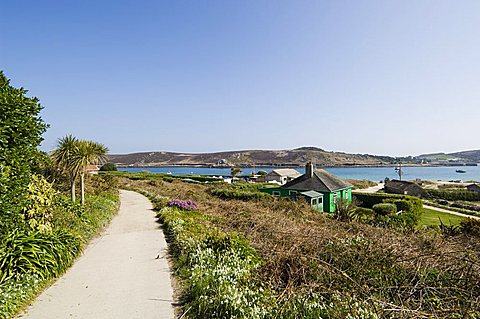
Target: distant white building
[{"x": 280, "y": 176}]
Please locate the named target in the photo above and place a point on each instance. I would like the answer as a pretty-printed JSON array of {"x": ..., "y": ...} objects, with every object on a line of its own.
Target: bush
[
  {"x": 404, "y": 205},
  {"x": 368, "y": 200},
  {"x": 470, "y": 227},
  {"x": 107, "y": 167},
  {"x": 20, "y": 134},
  {"x": 38, "y": 211},
  {"x": 453, "y": 195},
  {"x": 363, "y": 214},
  {"x": 47, "y": 255},
  {"x": 384, "y": 209},
  {"x": 185, "y": 205}
]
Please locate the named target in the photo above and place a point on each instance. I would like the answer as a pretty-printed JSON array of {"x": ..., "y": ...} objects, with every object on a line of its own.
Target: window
[
  {"x": 346, "y": 194},
  {"x": 314, "y": 202},
  {"x": 335, "y": 198},
  {"x": 292, "y": 192},
  {"x": 276, "y": 193}
]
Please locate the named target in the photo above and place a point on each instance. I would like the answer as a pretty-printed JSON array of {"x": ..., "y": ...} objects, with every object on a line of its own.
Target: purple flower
[{"x": 185, "y": 205}]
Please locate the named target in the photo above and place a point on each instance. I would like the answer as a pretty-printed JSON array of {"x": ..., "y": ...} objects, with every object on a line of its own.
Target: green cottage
[{"x": 319, "y": 188}]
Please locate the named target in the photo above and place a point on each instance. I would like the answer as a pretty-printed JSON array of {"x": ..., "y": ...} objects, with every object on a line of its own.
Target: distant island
[{"x": 286, "y": 158}]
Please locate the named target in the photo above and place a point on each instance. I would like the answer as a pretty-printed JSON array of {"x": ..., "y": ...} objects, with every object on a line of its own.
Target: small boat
[{"x": 460, "y": 171}]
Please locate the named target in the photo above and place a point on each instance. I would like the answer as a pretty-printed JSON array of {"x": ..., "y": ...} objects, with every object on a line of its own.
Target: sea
[{"x": 431, "y": 173}]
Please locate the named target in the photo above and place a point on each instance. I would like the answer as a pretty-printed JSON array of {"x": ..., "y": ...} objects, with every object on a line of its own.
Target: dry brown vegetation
[{"x": 409, "y": 275}]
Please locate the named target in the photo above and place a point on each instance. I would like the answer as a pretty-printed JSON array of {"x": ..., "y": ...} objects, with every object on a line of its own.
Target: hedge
[
  {"x": 369, "y": 199},
  {"x": 453, "y": 195},
  {"x": 384, "y": 209}
]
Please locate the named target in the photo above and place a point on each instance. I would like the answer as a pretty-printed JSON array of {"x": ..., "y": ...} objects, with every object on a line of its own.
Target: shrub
[
  {"x": 38, "y": 211},
  {"x": 46, "y": 255},
  {"x": 470, "y": 226},
  {"x": 20, "y": 133},
  {"x": 107, "y": 167},
  {"x": 404, "y": 205},
  {"x": 368, "y": 200},
  {"x": 363, "y": 214},
  {"x": 453, "y": 195},
  {"x": 185, "y": 205},
  {"x": 384, "y": 209},
  {"x": 344, "y": 210}
]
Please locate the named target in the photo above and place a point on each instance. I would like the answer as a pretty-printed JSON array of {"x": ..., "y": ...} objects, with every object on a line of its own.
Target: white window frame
[{"x": 276, "y": 193}]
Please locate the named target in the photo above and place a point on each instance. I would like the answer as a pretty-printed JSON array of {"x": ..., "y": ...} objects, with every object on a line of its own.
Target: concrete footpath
[{"x": 122, "y": 274}]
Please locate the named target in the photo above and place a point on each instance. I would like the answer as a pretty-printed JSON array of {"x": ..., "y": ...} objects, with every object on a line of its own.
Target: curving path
[{"x": 122, "y": 274}]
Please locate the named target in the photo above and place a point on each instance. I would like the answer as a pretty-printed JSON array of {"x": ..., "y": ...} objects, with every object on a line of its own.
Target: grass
[{"x": 432, "y": 217}]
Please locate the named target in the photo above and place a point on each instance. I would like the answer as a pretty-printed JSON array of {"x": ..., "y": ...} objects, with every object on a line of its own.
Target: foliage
[
  {"x": 185, "y": 205},
  {"x": 344, "y": 210},
  {"x": 162, "y": 177},
  {"x": 229, "y": 193},
  {"x": 97, "y": 184},
  {"x": 29, "y": 259},
  {"x": 369, "y": 199},
  {"x": 108, "y": 167},
  {"x": 15, "y": 291},
  {"x": 470, "y": 226},
  {"x": 361, "y": 183},
  {"x": 384, "y": 209},
  {"x": 20, "y": 133},
  {"x": 72, "y": 156},
  {"x": 453, "y": 195},
  {"x": 363, "y": 214},
  {"x": 262, "y": 173},
  {"x": 62, "y": 158},
  {"x": 218, "y": 268},
  {"x": 38, "y": 211},
  {"x": 46, "y": 255}
]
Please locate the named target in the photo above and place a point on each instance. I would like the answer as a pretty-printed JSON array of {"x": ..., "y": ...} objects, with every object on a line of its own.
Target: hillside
[
  {"x": 465, "y": 156},
  {"x": 296, "y": 157}
]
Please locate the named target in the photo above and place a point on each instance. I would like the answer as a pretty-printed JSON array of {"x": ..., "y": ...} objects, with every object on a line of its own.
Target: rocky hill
[{"x": 296, "y": 157}]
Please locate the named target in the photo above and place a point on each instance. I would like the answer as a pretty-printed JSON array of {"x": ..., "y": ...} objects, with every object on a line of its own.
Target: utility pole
[{"x": 399, "y": 170}]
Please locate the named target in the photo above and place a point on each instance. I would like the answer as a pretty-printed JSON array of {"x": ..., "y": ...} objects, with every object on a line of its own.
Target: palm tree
[
  {"x": 88, "y": 153},
  {"x": 73, "y": 157},
  {"x": 63, "y": 158}
]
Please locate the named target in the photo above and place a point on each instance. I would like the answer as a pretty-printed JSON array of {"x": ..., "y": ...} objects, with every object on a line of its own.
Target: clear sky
[{"x": 378, "y": 77}]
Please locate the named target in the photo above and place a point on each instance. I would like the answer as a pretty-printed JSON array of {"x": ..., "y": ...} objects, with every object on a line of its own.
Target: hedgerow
[{"x": 453, "y": 195}]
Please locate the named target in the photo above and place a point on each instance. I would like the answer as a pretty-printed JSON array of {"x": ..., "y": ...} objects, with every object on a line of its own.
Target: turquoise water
[{"x": 371, "y": 173}]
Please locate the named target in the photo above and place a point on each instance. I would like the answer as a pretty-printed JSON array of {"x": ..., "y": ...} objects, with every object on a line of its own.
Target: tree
[
  {"x": 89, "y": 153},
  {"x": 21, "y": 130},
  {"x": 73, "y": 156},
  {"x": 63, "y": 158}
]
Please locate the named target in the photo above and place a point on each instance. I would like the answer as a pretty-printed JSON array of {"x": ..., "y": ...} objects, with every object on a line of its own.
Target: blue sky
[{"x": 379, "y": 77}]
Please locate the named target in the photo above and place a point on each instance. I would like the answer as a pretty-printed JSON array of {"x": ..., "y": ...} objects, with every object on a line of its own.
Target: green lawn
[{"x": 431, "y": 217}]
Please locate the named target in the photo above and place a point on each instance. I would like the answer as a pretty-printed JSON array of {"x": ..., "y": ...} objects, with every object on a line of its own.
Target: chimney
[{"x": 309, "y": 169}]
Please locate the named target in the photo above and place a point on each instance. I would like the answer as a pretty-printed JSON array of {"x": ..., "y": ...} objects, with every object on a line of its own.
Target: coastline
[{"x": 287, "y": 165}]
